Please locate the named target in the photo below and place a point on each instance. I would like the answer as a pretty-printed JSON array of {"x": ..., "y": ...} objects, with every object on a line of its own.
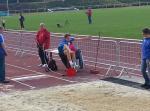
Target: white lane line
[
  {"x": 31, "y": 87},
  {"x": 41, "y": 73},
  {"x": 94, "y": 39},
  {"x": 12, "y": 77},
  {"x": 29, "y": 77}
]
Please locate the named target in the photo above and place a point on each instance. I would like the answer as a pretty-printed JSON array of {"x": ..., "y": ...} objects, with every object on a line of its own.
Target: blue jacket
[
  {"x": 1, "y": 49},
  {"x": 146, "y": 48},
  {"x": 61, "y": 45}
]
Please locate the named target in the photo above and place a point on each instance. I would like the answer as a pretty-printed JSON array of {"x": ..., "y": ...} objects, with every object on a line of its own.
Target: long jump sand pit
[{"x": 92, "y": 96}]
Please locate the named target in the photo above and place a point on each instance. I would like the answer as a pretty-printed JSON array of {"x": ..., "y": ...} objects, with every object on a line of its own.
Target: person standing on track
[
  {"x": 43, "y": 43},
  {"x": 146, "y": 58},
  {"x": 3, "y": 53},
  {"x": 21, "y": 19},
  {"x": 89, "y": 15}
]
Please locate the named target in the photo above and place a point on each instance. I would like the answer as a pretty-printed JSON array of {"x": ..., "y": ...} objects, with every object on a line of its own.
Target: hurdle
[
  {"x": 129, "y": 57},
  {"x": 21, "y": 41}
]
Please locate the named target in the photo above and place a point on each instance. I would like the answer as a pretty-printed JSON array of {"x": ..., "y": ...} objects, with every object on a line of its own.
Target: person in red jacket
[
  {"x": 43, "y": 43},
  {"x": 89, "y": 15}
]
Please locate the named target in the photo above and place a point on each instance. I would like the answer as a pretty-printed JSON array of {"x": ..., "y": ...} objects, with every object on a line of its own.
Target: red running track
[{"x": 24, "y": 74}]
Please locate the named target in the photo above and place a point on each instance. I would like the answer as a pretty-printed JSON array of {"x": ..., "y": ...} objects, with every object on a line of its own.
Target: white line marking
[
  {"x": 94, "y": 39},
  {"x": 29, "y": 77},
  {"x": 52, "y": 50},
  {"x": 42, "y": 73},
  {"x": 24, "y": 84},
  {"x": 11, "y": 77}
]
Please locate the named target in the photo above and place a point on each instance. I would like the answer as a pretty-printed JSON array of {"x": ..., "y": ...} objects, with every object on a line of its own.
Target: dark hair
[
  {"x": 66, "y": 35},
  {"x": 146, "y": 31}
]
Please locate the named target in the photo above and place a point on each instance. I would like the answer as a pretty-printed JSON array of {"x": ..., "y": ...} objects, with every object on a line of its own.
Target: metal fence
[
  {"x": 35, "y": 8},
  {"x": 120, "y": 55}
]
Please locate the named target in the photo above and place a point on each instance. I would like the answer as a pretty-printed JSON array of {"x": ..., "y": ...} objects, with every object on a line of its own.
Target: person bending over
[{"x": 67, "y": 56}]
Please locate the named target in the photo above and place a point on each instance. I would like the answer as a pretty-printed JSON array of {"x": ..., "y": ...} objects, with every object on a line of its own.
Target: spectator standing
[
  {"x": 43, "y": 43},
  {"x": 3, "y": 53},
  {"x": 146, "y": 58},
  {"x": 89, "y": 15},
  {"x": 21, "y": 20}
]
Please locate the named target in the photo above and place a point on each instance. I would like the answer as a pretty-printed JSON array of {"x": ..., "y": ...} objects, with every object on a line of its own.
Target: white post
[
  {"x": 7, "y": 7},
  {"x": 44, "y": 5},
  {"x": 139, "y": 3},
  {"x": 17, "y": 1}
]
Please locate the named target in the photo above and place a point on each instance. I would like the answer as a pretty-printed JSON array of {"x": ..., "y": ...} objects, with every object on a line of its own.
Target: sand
[{"x": 92, "y": 96}]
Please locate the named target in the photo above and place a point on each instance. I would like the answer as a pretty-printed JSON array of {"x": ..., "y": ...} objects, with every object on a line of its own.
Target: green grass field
[{"x": 117, "y": 22}]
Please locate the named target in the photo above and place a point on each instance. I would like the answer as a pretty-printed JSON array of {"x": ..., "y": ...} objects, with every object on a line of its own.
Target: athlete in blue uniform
[
  {"x": 146, "y": 57},
  {"x": 2, "y": 58},
  {"x": 67, "y": 56}
]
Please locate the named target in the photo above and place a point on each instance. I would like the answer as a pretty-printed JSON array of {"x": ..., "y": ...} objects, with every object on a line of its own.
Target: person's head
[
  {"x": 20, "y": 14},
  {"x": 67, "y": 37},
  {"x": 71, "y": 40},
  {"x": 1, "y": 29},
  {"x": 146, "y": 32},
  {"x": 42, "y": 25}
]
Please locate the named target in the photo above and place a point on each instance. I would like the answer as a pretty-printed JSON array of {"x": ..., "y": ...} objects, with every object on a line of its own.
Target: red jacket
[
  {"x": 89, "y": 12},
  {"x": 72, "y": 48},
  {"x": 43, "y": 38}
]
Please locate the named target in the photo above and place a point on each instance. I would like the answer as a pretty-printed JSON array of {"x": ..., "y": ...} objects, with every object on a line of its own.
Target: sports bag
[{"x": 52, "y": 64}]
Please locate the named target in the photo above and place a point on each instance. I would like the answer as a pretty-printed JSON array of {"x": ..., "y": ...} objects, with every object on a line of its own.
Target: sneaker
[
  {"x": 45, "y": 65},
  {"x": 4, "y": 82},
  {"x": 40, "y": 65},
  {"x": 72, "y": 65},
  {"x": 146, "y": 86},
  {"x": 81, "y": 67},
  {"x": 75, "y": 65},
  {"x": 143, "y": 85}
]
